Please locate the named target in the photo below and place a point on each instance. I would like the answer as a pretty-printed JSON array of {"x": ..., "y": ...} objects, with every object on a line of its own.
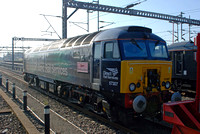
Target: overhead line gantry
[
  {"x": 26, "y": 39},
  {"x": 123, "y": 11}
]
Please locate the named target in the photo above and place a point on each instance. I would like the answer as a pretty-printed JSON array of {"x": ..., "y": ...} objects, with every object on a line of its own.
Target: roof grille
[{"x": 139, "y": 29}]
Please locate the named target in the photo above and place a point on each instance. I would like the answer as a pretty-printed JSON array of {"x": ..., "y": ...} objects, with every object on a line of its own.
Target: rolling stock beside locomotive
[
  {"x": 183, "y": 55},
  {"x": 121, "y": 72}
]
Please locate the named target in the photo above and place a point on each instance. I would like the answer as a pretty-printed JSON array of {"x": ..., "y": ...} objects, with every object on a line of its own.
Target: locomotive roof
[
  {"x": 126, "y": 32},
  {"x": 182, "y": 46}
]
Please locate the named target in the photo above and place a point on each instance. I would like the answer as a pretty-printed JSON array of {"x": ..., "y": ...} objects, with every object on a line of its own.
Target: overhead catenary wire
[{"x": 104, "y": 14}]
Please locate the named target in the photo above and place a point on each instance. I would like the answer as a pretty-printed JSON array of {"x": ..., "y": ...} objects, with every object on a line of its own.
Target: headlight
[
  {"x": 138, "y": 85},
  {"x": 163, "y": 83},
  {"x": 167, "y": 85},
  {"x": 132, "y": 87}
]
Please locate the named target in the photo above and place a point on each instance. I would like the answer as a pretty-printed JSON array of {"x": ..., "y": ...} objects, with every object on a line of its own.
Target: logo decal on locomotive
[
  {"x": 82, "y": 67},
  {"x": 111, "y": 74}
]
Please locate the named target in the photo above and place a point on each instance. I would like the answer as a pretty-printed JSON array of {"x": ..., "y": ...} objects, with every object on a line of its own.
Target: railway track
[
  {"x": 101, "y": 123},
  {"x": 18, "y": 67}
]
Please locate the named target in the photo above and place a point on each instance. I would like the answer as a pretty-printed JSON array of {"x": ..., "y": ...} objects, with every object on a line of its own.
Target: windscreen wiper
[
  {"x": 135, "y": 43},
  {"x": 157, "y": 42}
]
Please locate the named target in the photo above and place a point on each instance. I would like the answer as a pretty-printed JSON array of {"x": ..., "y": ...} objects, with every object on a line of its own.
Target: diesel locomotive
[
  {"x": 122, "y": 72},
  {"x": 184, "y": 65}
]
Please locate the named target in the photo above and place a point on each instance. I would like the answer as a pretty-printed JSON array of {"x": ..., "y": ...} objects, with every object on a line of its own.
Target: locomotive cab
[{"x": 133, "y": 70}]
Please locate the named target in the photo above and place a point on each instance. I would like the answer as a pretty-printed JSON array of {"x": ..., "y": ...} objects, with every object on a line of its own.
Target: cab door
[
  {"x": 96, "y": 73},
  {"x": 110, "y": 67}
]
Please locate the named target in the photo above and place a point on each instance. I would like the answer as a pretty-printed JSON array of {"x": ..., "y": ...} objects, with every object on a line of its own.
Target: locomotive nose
[{"x": 152, "y": 79}]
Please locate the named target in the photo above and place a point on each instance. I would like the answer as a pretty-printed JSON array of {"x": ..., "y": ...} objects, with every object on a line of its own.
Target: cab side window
[
  {"x": 111, "y": 51},
  {"x": 97, "y": 51}
]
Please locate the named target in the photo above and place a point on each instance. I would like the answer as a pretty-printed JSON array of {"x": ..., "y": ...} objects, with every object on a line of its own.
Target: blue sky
[{"x": 21, "y": 18}]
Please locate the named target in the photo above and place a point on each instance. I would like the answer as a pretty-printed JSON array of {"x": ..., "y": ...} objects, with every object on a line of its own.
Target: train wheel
[
  {"x": 25, "y": 77},
  {"x": 113, "y": 114},
  {"x": 30, "y": 82},
  {"x": 124, "y": 118},
  {"x": 65, "y": 92},
  {"x": 110, "y": 110},
  {"x": 37, "y": 82}
]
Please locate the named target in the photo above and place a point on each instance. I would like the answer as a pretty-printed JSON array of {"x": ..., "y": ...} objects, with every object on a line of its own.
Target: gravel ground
[
  {"x": 39, "y": 125},
  {"x": 9, "y": 124}
]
